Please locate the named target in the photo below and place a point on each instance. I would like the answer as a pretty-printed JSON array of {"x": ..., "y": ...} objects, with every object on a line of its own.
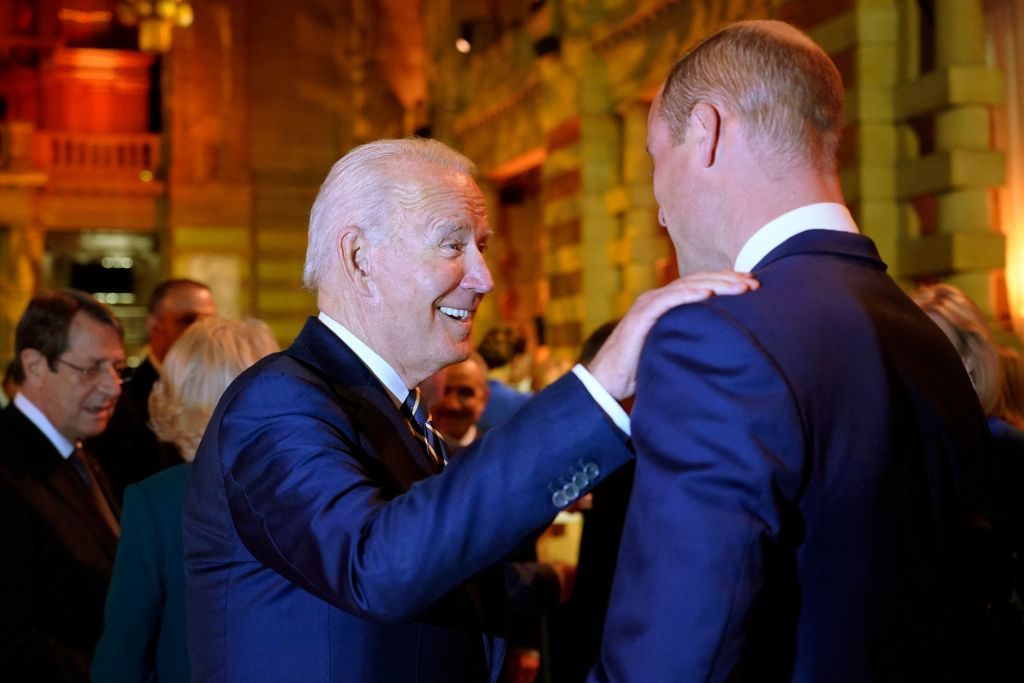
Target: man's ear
[
  {"x": 354, "y": 257},
  {"x": 706, "y": 123},
  {"x": 34, "y": 363}
]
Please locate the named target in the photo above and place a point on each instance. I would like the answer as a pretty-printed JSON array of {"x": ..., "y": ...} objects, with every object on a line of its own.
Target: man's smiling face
[{"x": 430, "y": 276}]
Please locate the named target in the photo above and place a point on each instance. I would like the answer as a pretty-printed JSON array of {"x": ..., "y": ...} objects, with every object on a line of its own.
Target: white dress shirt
[
  {"x": 823, "y": 216},
  {"x": 399, "y": 392},
  {"x": 36, "y": 417}
]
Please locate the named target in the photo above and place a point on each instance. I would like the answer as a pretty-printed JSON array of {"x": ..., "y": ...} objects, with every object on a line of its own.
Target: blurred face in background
[
  {"x": 462, "y": 399},
  {"x": 182, "y": 306},
  {"x": 78, "y": 395}
]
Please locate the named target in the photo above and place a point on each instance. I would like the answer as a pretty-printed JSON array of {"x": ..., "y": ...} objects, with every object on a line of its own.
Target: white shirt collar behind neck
[
  {"x": 378, "y": 366},
  {"x": 823, "y": 216},
  {"x": 36, "y": 417}
]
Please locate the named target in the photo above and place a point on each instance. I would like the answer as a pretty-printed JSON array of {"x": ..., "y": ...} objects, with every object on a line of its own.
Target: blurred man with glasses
[{"x": 60, "y": 527}]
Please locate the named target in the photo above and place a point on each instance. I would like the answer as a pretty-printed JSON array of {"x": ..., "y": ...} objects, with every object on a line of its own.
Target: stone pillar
[
  {"x": 599, "y": 164},
  {"x": 961, "y": 131}
]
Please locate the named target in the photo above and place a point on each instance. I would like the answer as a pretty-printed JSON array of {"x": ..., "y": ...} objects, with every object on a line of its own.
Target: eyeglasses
[{"x": 93, "y": 373}]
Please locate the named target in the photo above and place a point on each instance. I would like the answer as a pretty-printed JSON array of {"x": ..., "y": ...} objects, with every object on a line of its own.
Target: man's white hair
[{"x": 375, "y": 187}]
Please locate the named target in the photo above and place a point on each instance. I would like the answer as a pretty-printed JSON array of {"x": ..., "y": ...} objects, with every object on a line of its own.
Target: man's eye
[{"x": 457, "y": 246}]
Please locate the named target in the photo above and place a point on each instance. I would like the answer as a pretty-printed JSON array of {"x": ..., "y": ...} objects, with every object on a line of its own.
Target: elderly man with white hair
[{"x": 326, "y": 538}]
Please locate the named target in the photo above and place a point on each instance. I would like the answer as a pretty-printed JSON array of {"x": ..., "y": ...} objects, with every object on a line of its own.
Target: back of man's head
[
  {"x": 375, "y": 187},
  {"x": 775, "y": 79},
  {"x": 47, "y": 320}
]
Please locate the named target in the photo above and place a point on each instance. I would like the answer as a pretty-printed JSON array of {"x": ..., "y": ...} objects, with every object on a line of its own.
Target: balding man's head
[{"x": 771, "y": 76}]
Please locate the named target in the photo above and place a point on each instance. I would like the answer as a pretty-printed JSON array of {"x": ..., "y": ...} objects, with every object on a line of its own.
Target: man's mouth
[
  {"x": 460, "y": 314},
  {"x": 105, "y": 411}
]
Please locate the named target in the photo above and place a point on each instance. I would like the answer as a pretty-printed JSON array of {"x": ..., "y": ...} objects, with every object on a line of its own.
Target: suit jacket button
[
  {"x": 580, "y": 480},
  {"x": 592, "y": 471},
  {"x": 571, "y": 491},
  {"x": 559, "y": 499}
]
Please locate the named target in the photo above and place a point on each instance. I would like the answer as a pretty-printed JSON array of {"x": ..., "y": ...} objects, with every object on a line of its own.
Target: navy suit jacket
[
  {"x": 804, "y": 465},
  {"x": 144, "y": 631},
  {"x": 322, "y": 544}
]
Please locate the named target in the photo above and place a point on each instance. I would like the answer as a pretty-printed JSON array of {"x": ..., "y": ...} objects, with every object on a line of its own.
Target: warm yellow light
[
  {"x": 185, "y": 15},
  {"x": 463, "y": 46},
  {"x": 145, "y": 176}
]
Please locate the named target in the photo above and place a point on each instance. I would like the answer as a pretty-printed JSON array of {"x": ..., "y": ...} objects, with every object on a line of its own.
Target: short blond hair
[
  {"x": 771, "y": 75},
  {"x": 962, "y": 321},
  {"x": 197, "y": 369}
]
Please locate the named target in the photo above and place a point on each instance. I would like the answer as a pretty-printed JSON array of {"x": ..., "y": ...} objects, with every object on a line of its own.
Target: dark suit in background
[
  {"x": 58, "y": 553},
  {"x": 319, "y": 546},
  {"x": 802, "y": 493},
  {"x": 128, "y": 450}
]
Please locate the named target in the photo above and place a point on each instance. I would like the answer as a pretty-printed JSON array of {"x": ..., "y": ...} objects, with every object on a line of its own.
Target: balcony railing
[{"x": 97, "y": 154}]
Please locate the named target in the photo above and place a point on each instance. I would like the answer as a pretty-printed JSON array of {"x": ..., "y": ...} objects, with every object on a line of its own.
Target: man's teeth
[{"x": 457, "y": 313}]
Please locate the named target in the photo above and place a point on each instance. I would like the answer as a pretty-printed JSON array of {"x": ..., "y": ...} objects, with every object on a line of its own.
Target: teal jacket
[{"x": 144, "y": 633}]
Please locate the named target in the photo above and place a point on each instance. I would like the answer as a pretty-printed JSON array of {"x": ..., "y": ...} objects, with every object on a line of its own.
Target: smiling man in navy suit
[
  {"x": 804, "y": 452},
  {"x": 326, "y": 538}
]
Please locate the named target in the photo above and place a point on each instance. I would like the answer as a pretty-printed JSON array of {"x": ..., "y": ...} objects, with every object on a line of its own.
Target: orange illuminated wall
[{"x": 96, "y": 91}]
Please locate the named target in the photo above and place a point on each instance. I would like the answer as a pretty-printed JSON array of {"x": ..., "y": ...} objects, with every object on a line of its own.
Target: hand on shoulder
[{"x": 615, "y": 364}]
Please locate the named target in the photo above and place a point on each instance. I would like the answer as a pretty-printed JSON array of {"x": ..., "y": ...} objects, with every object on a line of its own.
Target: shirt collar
[
  {"x": 823, "y": 216},
  {"x": 469, "y": 437},
  {"x": 36, "y": 417},
  {"x": 378, "y": 366}
]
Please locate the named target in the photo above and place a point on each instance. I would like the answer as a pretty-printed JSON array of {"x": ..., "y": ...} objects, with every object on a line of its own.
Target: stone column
[{"x": 961, "y": 131}]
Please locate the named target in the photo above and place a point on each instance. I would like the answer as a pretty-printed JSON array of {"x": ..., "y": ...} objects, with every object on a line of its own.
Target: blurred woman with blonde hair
[
  {"x": 998, "y": 558},
  {"x": 144, "y": 632}
]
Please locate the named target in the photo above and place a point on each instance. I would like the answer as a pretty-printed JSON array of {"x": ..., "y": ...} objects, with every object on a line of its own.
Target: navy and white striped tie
[{"x": 416, "y": 413}]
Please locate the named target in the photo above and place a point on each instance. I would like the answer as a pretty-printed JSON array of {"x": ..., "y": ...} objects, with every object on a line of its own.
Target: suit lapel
[
  {"x": 388, "y": 435},
  {"x": 385, "y": 429}
]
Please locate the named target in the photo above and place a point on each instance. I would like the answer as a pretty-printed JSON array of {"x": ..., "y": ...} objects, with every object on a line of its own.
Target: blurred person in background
[
  {"x": 578, "y": 629},
  {"x": 460, "y": 398},
  {"x": 498, "y": 348},
  {"x": 456, "y": 410},
  {"x": 998, "y": 551},
  {"x": 128, "y": 450},
  {"x": 58, "y": 514},
  {"x": 144, "y": 636},
  {"x": 1011, "y": 396}
]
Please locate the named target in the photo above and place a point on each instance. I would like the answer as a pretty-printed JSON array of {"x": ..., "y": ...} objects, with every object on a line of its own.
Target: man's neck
[{"x": 771, "y": 197}]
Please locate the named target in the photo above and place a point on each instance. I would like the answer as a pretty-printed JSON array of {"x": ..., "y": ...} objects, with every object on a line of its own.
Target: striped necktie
[{"x": 416, "y": 414}]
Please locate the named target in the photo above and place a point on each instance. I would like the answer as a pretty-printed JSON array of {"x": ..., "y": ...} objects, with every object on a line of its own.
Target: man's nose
[
  {"x": 478, "y": 276},
  {"x": 110, "y": 382}
]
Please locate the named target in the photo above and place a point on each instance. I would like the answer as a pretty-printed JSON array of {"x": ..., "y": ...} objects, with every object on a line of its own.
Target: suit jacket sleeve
[
  {"x": 309, "y": 496},
  {"x": 720, "y": 451},
  {"x": 135, "y": 598}
]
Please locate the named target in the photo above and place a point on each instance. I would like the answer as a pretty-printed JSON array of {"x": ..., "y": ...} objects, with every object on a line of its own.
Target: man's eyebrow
[{"x": 446, "y": 228}]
